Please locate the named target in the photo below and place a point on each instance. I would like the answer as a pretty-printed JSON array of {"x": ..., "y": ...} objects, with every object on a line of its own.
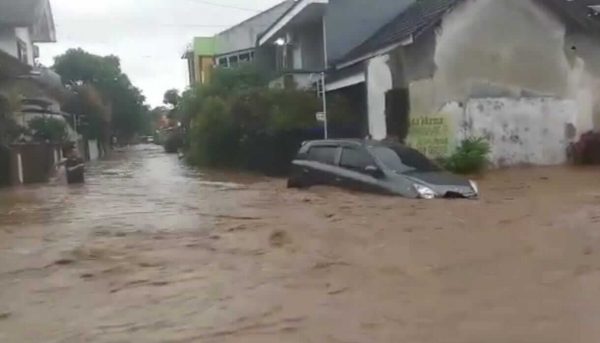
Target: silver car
[{"x": 374, "y": 166}]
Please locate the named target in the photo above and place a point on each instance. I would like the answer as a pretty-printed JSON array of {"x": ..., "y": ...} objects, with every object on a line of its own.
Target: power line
[{"x": 226, "y": 6}]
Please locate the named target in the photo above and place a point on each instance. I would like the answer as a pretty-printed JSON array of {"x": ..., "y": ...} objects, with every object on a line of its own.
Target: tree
[
  {"x": 125, "y": 102},
  {"x": 86, "y": 100},
  {"x": 172, "y": 98}
]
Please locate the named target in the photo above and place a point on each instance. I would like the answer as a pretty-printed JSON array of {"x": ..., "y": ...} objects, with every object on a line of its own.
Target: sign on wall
[{"x": 431, "y": 135}]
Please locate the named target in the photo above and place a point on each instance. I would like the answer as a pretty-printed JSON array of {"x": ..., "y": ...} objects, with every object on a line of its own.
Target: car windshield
[{"x": 404, "y": 160}]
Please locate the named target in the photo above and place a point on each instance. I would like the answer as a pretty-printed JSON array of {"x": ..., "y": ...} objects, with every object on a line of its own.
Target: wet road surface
[{"x": 151, "y": 251}]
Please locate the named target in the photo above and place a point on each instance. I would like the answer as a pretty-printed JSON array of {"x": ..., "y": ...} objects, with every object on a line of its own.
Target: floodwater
[
  {"x": 149, "y": 250},
  {"x": 139, "y": 188}
]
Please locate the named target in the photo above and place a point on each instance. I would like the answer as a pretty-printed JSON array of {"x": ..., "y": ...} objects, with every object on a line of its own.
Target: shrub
[
  {"x": 214, "y": 139},
  {"x": 470, "y": 156},
  {"x": 173, "y": 142},
  {"x": 587, "y": 150},
  {"x": 48, "y": 129}
]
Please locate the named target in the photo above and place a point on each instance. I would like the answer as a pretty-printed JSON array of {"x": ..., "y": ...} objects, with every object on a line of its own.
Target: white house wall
[
  {"x": 508, "y": 48},
  {"x": 533, "y": 131},
  {"x": 379, "y": 81},
  {"x": 517, "y": 53}
]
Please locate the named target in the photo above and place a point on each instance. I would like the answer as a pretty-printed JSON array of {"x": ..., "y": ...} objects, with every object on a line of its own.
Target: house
[
  {"x": 27, "y": 89},
  {"x": 312, "y": 34},
  {"x": 230, "y": 47},
  {"x": 522, "y": 73}
]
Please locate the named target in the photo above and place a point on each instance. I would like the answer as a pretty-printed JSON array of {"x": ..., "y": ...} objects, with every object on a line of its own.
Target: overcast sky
[{"x": 148, "y": 35}]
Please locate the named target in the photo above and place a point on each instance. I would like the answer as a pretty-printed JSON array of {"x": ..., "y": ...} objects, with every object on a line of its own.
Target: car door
[
  {"x": 321, "y": 165},
  {"x": 353, "y": 170}
]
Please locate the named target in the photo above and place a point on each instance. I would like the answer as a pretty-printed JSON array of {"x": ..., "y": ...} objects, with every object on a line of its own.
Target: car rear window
[{"x": 323, "y": 154}]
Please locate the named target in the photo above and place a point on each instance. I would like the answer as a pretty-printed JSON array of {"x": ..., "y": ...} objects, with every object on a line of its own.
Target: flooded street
[{"x": 151, "y": 251}]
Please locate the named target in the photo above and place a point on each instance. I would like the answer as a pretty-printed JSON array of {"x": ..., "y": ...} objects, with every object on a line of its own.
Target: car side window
[
  {"x": 355, "y": 159},
  {"x": 323, "y": 154}
]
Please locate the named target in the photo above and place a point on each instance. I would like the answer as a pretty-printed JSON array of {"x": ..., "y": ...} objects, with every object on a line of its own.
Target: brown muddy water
[{"x": 152, "y": 251}]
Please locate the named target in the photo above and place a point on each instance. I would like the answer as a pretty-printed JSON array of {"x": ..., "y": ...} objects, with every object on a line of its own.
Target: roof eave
[{"x": 285, "y": 19}]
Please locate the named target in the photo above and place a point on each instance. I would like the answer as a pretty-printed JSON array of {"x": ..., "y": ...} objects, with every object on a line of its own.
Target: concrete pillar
[{"x": 20, "y": 169}]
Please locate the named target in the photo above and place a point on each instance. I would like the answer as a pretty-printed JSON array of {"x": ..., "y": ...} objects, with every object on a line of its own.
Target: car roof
[{"x": 356, "y": 142}]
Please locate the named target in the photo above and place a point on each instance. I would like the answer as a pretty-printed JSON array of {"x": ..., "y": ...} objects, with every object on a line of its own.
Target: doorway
[
  {"x": 4, "y": 166},
  {"x": 397, "y": 111}
]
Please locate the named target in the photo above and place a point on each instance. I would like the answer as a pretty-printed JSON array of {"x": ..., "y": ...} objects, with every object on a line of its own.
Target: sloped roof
[
  {"x": 417, "y": 18},
  {"x": 424, "y": 14}
]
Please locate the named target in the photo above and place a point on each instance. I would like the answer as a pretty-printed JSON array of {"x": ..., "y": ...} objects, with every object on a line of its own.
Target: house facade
[
  {"x": 231, "y": 47},
  {"x": 521, "y": 73},
  {"x": 312, "y": 34},
  {"x": 28, "y": 90}
]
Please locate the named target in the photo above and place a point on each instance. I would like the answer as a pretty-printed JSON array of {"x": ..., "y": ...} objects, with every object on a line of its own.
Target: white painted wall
[
  {"x": 94, "y": 153},
  {"x": 533, "y": 131},
  {"x": 379, "y": 81},
  {"x": 20, "y": 168},
  {"x": 509, "y": 48}
]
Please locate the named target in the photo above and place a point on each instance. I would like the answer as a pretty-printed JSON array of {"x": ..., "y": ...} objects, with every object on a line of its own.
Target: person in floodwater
[{"x": 74, "y": 166}]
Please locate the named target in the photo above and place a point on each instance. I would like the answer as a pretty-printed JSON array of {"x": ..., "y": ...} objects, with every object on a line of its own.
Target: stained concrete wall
[
  {"x": 534, "y": 131},
  {"x": 510, "y": 69},
  {"x": 509, "y": 48},
  {"x": 521, "y": 131}
]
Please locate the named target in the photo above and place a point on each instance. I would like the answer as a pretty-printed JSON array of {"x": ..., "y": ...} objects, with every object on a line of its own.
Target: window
[
  {"x": 404, "y": 160},
  {"x": 222, "y": 62},
  {"x": 323, "y": 154},
  {"x": 22, "y": 52},
  {"x": 245, "y": 57},
  {"x": 233, "y": 60},
  {"x": 355, "y": 159}
]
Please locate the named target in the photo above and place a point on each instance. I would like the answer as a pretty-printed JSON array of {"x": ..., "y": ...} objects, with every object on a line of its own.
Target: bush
[
  {"x": 587, "y": 150},
  {"x": 47, "y": 129},
  {"x": 470, "y": 156},
  {"x": 173, "y": 142},
  {"x": 236, "y": 121}
]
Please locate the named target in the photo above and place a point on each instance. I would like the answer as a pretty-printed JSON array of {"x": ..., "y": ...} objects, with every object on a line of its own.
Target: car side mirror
[{"x": 373, "y": 171}]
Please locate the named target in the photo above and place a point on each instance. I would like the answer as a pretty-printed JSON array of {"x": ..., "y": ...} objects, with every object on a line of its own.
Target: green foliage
[
  {"x": 119, "y": 97},
  {"x": 470, "y": 156},
  {"x": 236, "y": 121},
  {"x": 48, "y": 129},
  {"x": 9, "y": 129},
  {"x": 171, "y": 97}
]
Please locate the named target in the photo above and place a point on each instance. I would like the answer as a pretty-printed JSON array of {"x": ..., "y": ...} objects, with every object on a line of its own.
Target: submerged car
[{"x": 373, "y": 166}]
